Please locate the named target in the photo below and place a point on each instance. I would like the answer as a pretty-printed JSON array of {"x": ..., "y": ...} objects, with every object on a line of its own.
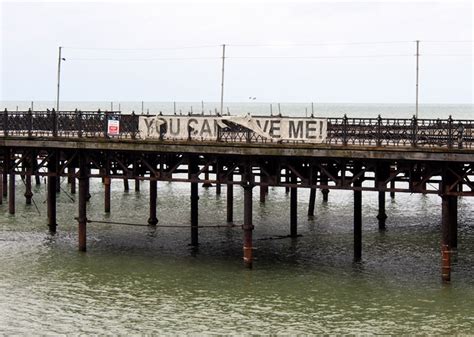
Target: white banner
[{"x": 308, "y": 130}]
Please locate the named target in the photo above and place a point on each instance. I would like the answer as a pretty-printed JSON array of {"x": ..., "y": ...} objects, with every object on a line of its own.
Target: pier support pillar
[
  {"x": 392, "y": 186},
  {"x": 126, "y": 186},
  {"x": 11, "y": 193},
  {"x": 51, "y": 195},
  {"x": 193, "y": 169},
  {"x": 312, "y": 200},
  {"x": 137, "y": 185},
  {"x": 152, "y": 220},
  {"x": 357, "y": 216},
  {"x": 206, "y": 183},
  {"x": 72, "y": 179},
  {"x": 28, "y": 192},
  {"x": 382, "y": 216},
  {"x": 248, "y": 226},
  {"x": 230, "y": 200},
  {"x": 293, "y": 209},
  {"x": 324, "y": 191},
  {"x": 5, "y": 176},
  {"x": 449, "y": 221},
  {"x": 107, "y": 188},
  {"x": 83, "y": 190},
  {"x": 1, "y": 188}
]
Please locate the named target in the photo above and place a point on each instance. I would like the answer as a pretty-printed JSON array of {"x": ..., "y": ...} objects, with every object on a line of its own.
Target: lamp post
[{"x": 59, "y": 77}]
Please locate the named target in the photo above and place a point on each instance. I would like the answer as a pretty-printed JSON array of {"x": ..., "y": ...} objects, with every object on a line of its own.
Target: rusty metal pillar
[
  {"x": 293, "y": 208},
  {"x": 126, "y": 186},
  {"x": 72, "y": 179},
  {"x": 324, "y": 191},
  {"x": 263, "y": 191},
  {"x": 107, "y": 185},
  {"x": 230, "y": 199},
  {"x": 83, "y": 190},
  {"x": 11, "y": 192},
  {"x": 137, "y": 185},
  {"x": 248, "y": 226},
  {"x": 312, "y": 201},
  {"x": 51, "y": 195},
  {"x": 446, "y": 232},
  {"x": 5, "y": 174},
  {"x": 382, "y": 216},
  {"x": 28, "y": 192},
  {"x": 206, "y": 183},
  {"x": 153, "y": 220},
  {"x": 193, "y": 170},
  {"x": 88, "y": 183},
  {"x": 392, "y": 186},
  {"x": 1, "y": 187},
  {"x": 357, "y": 216}
]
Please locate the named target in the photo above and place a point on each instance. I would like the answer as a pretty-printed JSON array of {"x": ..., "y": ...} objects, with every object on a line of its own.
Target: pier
[{"x": 387, "y": 156}]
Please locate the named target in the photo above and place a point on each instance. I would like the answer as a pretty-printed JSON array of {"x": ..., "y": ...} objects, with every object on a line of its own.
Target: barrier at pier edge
[{"x": 308, "y": 130}]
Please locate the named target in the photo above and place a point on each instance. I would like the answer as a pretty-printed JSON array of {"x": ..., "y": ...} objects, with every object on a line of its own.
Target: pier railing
[{"x": 344, "y": 131}]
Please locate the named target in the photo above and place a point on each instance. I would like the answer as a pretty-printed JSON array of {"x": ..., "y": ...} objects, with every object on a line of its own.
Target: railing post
[
  {"x": 379, "y": 131},
  {"x": 460, "y": 135},
  {"x": 5, "y": 122},
  {"x": 450, "y": 140},
  {"x": 55, "y": 123},
  {"x": 344, "y": 130},
  {"x": 30, "y": 123},
  {"x": 79, "y": 123},
  {"x": 106, "y": 121},
  {"x": 248, "y": 136},
  {"x": 414, "y": 131},
  {"x": 134, "y": 123}
]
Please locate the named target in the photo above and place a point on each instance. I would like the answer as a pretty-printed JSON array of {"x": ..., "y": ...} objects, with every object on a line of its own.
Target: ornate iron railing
[{"x": 343, "y": 131}]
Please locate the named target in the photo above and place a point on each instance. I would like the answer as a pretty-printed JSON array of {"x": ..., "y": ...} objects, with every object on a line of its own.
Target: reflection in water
[{"x": 143, "y": 280}]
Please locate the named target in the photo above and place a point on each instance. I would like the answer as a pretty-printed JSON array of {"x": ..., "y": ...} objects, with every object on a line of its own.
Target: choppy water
[{"x": 138, "y": 280}]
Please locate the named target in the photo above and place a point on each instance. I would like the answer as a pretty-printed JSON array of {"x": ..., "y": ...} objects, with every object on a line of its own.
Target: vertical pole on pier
[
  {"x": 312, "y": 200},
  {"x": 287, "y": 180},
  {"x": 28, "y": 192},
  {"x": 382, "y": 174},
  {"x": 1, "y": 186},
  {"x": 193, "y": 169},
  {"x": 107, "y": 189},
  {"x": 137, "y": 185},
  {"x": 11, "y": 192},
  {"x": 88, "y": 185},
  {"x": 263, "y": 186},
  {"x": 293, "y": 208},
  {"x": 222, "y": 80},
  {"x": 392, "y": 186},
  {"x": 72, "y": 179},
  {"x": 218, "y": 184},
  {"x": 152, "y": 220},
  {"x": 417, "y": 74},
  {"x": 51, "y": 197},
  {"x": 5, "y": 175},
  {"x": 126, "y": 186},
  {"x": 357, "y": 216},
  {"x": 324, "y": 191},
  {"x": 248, "y": 225},
  {"x": 59, "y": 78},
  {"x": 230, "y": 199},
  {"x": 83, "y": 190}
]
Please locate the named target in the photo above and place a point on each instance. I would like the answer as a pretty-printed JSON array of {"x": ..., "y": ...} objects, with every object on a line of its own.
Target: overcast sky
[{"x": 277, "y": 51}]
